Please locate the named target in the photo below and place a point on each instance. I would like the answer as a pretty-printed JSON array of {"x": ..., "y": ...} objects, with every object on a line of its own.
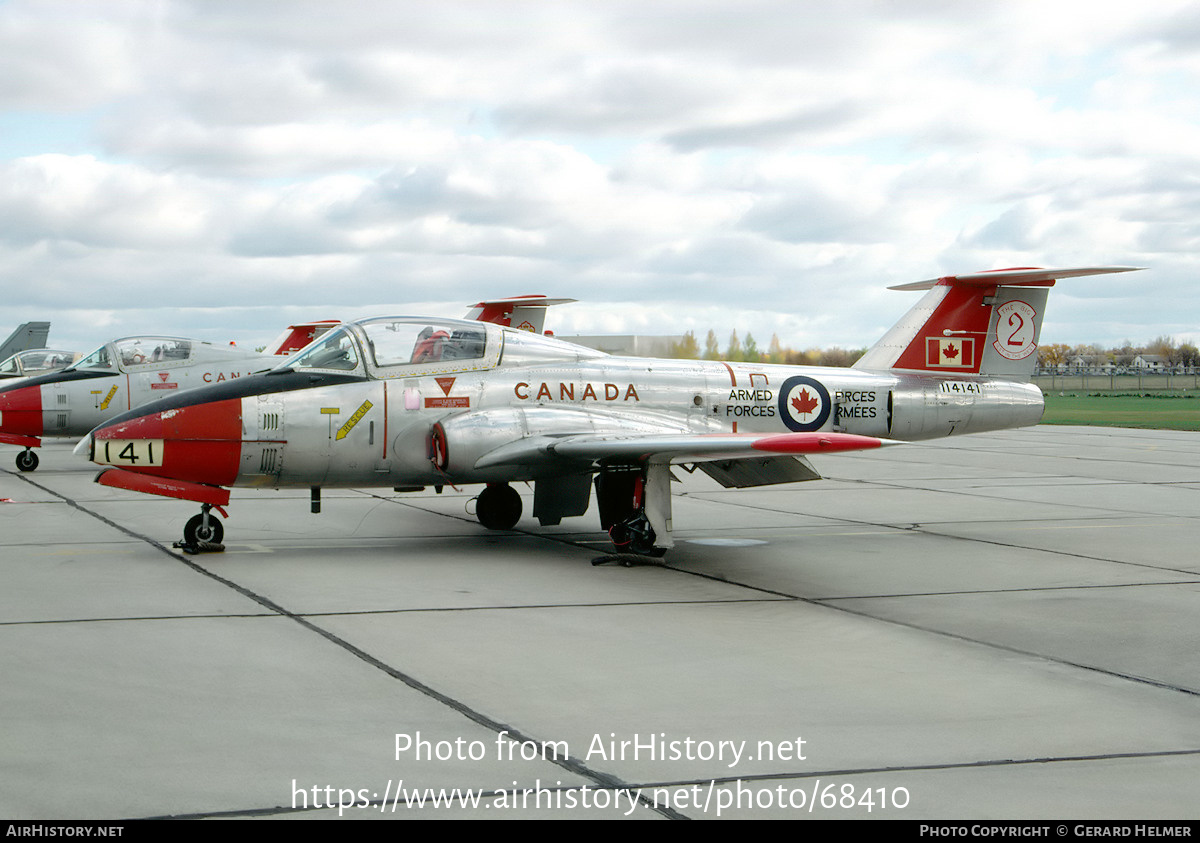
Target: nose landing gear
[
  {"x": 203, "y": 532},
  {"x": 27, "y": 460}
]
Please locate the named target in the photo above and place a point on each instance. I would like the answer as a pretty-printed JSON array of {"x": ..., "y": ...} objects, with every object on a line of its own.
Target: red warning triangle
[{"x": 446, "y": 384}]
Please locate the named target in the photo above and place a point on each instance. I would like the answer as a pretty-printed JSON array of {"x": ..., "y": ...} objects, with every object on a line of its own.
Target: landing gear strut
[
  {"x": 27, "y": 460},
  {"x": 498, "y": 507}
]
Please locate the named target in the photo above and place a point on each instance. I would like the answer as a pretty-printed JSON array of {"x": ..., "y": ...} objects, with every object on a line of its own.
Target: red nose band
[{"x": 200, "y": 444}]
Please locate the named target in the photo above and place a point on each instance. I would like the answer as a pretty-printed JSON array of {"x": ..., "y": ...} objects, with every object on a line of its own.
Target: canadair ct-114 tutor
[
  {"x": 34, "y": 362},
  {"x": 122, "y": 374},
  {"x": 129, "y": 372},
  {"x": 411, "y": 402}
]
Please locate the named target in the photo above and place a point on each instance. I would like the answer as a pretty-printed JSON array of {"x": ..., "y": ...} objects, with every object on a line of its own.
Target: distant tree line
[
  {"x": 1173, "y": 354},
  {"x": 747, "y": 351}
]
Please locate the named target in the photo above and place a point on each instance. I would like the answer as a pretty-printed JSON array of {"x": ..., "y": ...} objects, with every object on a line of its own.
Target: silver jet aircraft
[
  {"x": 129, "y": 372},
  {"x": 122, "y": 374},
  {"x": 35, "y": 361},
  {"x": 411, "y": 402}
]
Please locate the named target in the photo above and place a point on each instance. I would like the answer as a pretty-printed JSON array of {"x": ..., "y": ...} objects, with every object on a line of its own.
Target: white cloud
[{"x": 668, "y": 163}]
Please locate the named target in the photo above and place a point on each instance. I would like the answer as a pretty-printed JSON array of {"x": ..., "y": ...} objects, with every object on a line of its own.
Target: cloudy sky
[{"x": 217, "y": 169}]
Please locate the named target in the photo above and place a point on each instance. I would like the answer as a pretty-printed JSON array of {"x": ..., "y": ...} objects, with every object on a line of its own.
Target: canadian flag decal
[{"x": 950, "y": 353}]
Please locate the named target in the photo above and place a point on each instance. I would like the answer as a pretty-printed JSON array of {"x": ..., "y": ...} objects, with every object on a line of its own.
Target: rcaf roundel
[{"x": 804, "y": 404}]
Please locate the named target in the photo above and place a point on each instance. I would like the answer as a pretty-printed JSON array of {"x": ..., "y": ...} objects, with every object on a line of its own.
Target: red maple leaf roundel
[
  {"x": 806, "y": 403},
  {"x": 951, "y": 351}
]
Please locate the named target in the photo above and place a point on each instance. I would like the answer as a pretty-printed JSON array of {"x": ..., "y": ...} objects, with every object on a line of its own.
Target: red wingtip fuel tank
[
  {"x": 200, "y": 443},
  {"x": 21, "y": 416}
]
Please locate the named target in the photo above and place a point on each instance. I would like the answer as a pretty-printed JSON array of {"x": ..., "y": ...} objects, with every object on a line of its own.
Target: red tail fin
[
  {"x": 525, "y": 312},
  {"x": 986, "y": 323}
]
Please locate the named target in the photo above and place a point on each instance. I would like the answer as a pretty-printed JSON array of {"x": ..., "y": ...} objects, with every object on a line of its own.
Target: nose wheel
[
  {"x": 202, "y": 530},
  {"x": 498, "y": 507},
  {"x": 27, "y": 460}
]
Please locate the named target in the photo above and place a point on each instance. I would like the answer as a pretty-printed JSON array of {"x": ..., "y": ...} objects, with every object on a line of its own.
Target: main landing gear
[
  {"x": 498, "y": 507},
  {"x": 27, "y": 460},
  {"x": 621, "y": 495}
]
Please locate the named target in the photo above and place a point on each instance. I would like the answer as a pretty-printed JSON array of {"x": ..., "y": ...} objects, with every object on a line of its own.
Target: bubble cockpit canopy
[
  {"x": 36, "y": 361},
  {"x": 392, "y": 346},
  {"x": 137, "y": 351}
]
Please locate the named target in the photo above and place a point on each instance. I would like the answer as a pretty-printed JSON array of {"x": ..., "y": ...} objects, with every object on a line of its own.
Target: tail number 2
[{"x": 1016, "y": 328}]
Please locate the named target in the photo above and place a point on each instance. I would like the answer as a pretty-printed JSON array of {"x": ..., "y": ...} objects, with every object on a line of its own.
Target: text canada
[{"x": 576, "y": 392}]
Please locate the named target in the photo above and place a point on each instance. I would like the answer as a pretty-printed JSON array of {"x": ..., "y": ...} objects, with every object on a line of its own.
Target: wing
[
  {"x": 673, "y": 447},
  {"x": 732, "y": 459}
]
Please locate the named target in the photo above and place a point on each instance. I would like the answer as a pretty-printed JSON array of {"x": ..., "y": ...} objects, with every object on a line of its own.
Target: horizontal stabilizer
[
  {"x": 525, "y": 312},
  {"x": 980, "y": 324},
  {"x": 1014, "y": 277},
  {"x": 296, "y": 337}
]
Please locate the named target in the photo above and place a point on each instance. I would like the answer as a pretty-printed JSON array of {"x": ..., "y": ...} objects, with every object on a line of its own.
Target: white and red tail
[
  {"x": 296, "y": 337},
  {"x": 984, "y": 323},
  {"x": 525, "y": 312}
]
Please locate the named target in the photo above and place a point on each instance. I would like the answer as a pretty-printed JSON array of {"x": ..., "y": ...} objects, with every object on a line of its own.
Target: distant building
[
  {"x": 1151, "y": 362},
  {"x": 1088, "y": 364},
  {"x": 633, "y": 345}
]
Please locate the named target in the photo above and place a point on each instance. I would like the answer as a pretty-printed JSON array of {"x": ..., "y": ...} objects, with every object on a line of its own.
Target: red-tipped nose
[
  {"x": 21, "y": 415},
  {"x": 201, "y": 443}
]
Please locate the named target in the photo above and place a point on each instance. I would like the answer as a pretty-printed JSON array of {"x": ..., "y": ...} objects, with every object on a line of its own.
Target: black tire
[
  {"x": 634, "y": 535},
  {"x": 194, "y": 530},
  {"x": 27, "y": 460},
  {"x": 498, "y": 507}
]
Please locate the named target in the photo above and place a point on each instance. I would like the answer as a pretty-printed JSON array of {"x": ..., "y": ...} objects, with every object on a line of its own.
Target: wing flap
[{"x": 759, "y": 471}]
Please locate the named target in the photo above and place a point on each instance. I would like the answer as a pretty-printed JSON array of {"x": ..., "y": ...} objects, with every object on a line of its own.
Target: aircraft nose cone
[
  {"x": 199, "y": 443},
  {"x": 84, "y": 447},
  {"x": 21, "y": 412}
]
